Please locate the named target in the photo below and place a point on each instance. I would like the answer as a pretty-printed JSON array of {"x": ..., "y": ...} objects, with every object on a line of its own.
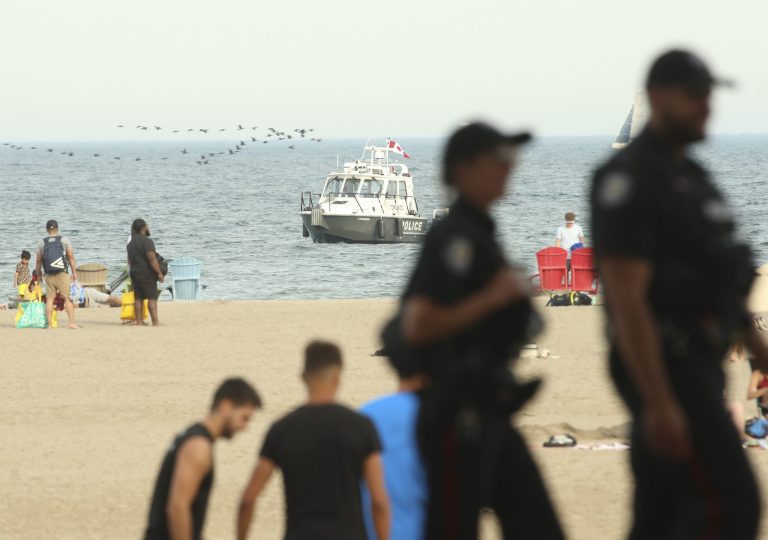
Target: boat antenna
[
  {"x": 337, "y": 162},
  {"x": 366, "y": 146}
]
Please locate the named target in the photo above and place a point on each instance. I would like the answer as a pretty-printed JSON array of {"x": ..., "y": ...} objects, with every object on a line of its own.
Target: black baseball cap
[
  {"x": 52, "y": 224},
  {"x": 682, "y": 68},
  {"x": 476, "y": 138}
]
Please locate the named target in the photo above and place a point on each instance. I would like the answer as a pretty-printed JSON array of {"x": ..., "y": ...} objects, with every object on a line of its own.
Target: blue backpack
[{"x": 54, "y": 255}]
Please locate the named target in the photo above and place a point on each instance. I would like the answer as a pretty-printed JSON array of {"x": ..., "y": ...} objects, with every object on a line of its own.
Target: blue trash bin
[{"x": 186, "y": 273}]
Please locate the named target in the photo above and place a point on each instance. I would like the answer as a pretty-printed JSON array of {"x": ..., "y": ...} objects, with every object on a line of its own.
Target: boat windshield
[
  {"x": 333, "y": 186},
  {"x": 371, "y": 188},
  {"x": 351, "y": 186}
]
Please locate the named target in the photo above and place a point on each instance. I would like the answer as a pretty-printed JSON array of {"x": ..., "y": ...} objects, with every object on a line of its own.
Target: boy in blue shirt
[{"x": 395, "y": 417}]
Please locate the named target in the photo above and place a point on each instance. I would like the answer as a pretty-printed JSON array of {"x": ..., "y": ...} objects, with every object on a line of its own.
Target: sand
[{"x": 87, "y": 414}]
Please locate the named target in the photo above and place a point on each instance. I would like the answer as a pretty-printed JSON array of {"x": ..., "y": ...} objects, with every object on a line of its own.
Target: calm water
[{"x": 239, "y": 213}]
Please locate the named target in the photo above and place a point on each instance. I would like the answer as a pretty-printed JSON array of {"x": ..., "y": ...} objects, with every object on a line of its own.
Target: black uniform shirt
[
  {"x": 459, "y": 258},
  {"x": 651, "y": 204},
  {"x": 157, "y": 529}
]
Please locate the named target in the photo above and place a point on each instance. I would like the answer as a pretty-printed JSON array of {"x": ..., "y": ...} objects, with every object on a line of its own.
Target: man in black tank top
[
  {"x": 324, "y": 450},
  {"x": 183, "y": 485}
]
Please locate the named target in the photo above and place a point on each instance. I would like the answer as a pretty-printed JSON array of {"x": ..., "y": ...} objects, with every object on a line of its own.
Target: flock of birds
[{"x": 246, "y": 138}]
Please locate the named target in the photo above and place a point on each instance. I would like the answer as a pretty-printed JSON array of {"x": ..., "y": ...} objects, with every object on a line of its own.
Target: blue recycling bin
[{"x": 186, "y": 273}]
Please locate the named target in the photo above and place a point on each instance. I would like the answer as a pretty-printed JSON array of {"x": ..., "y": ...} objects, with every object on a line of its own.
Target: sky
[{"x": 75, "y": 70}]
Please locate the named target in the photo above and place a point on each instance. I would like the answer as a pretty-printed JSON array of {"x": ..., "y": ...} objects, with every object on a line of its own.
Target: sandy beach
[{"x": 87, "y": 414}]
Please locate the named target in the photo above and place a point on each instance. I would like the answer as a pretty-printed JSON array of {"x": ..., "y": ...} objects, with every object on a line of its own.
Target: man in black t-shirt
[
  {"x": 676, "y": 279},
  {"x": 180, "y": 497},
  {"x": 324, "y": 450},
  {"x": 145, "y": 271}
]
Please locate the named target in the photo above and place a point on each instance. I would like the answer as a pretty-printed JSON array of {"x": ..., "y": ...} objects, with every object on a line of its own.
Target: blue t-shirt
[{"x": 395, "y": 419}]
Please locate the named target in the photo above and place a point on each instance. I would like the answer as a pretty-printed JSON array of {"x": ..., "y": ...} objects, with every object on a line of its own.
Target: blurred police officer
[
  {"x": 676, "y": 280},
  {"x": 466, "y": 313}
]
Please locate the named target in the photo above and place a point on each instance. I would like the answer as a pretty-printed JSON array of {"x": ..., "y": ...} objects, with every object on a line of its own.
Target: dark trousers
[
  {"x": 474, "y": 460},
  {"x": 712, "y": 494}
]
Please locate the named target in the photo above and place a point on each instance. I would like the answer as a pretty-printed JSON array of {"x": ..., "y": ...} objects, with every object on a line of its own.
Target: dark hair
[
  {"x": 320, "y": 355},
  {"x": 138, "y": 226},
  {"x": 238, "y": 391},
  {"x": 26, "y": 255}
]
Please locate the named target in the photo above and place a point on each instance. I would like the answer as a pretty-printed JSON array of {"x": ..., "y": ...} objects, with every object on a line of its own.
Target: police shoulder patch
[
  {"x": 458, "y": 255},
  {"x": 615, "y": 189}
]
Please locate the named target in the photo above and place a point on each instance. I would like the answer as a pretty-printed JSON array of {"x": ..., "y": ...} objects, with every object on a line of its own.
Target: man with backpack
[{"x": 54, "y": 255}]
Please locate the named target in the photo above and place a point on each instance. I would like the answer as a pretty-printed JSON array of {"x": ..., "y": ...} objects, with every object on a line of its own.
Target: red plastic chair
[
  {"x": 583, "y": 273},
  {"x": 553, "y": 274}
]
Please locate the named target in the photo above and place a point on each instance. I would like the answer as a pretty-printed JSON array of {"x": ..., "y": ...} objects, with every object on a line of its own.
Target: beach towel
[
  {"x": 32, "y": 315},
  {"x": 127, "y": 312}
]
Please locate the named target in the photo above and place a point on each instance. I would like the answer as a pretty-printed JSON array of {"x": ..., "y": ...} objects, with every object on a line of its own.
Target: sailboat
[{"x": 633, "y": 123}]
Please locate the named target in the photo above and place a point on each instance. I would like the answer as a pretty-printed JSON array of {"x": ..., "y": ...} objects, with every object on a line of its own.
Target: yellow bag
[{"x": 127, "y": 312}]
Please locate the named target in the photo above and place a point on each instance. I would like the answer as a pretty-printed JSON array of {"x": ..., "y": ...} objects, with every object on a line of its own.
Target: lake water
[{"x": 239, "y": 213}]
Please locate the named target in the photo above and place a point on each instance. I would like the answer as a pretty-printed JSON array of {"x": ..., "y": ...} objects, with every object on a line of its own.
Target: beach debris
[
  {"x": 560, "y": 441},
  {"x": 604, "y": 446}
]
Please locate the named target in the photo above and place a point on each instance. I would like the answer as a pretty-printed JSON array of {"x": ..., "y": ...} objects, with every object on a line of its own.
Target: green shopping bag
[{"x": 33, "y": 315}]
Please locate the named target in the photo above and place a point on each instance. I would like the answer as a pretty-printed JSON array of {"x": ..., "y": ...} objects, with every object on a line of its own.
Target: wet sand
[{"x": 87, "y": 414}]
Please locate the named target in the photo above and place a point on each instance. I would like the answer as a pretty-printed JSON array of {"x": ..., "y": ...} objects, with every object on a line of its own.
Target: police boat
[{"x": 368, "y": 201}]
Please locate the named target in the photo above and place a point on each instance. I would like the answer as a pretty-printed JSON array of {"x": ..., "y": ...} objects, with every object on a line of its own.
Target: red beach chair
[
  {"x": 583, "y": 273},
  {"x": 553, "y": 274}
]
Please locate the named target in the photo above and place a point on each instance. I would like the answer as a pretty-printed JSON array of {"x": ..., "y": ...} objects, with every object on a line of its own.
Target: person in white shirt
[{"x": 569, "y": 234}]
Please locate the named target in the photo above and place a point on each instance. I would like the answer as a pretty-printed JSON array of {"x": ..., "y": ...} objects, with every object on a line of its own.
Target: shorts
[
  {"x": 144, "y": 287},
  {"x": 59, "y": 283},
  {"x": 95, "y": 296}
]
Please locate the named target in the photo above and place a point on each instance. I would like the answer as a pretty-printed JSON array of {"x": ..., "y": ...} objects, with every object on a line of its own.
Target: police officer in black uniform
[
  {"x": 676, "y": 280},
  {"x": 465, "y": 314}
]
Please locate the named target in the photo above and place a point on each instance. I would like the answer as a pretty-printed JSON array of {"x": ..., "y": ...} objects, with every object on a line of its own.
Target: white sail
[
  {"x": 638, "y": 115},
  {"x": 633, "y": 123}
]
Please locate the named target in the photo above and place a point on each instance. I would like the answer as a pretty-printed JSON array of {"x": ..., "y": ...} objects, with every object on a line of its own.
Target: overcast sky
[{"x": 76, "y": 69}]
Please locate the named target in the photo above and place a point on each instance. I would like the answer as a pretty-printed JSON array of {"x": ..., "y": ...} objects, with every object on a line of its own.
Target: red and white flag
[{"x": 396, "y": 148}]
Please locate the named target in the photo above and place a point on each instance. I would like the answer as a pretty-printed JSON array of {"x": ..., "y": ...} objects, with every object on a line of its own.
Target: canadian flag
[{"x": 396, "y": 148}]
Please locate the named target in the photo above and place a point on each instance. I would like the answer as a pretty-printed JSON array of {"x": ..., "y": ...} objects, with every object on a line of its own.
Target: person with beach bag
[
  {"x": 55, "y": 256},
  {"x": 145, "y": 270}
]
